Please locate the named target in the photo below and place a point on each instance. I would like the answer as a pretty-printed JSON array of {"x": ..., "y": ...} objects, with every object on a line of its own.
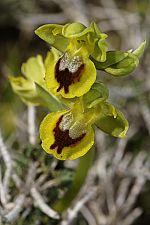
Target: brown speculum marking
[
  {"x": 66, "y": 77},
  {"x": 62, "y": 138}
]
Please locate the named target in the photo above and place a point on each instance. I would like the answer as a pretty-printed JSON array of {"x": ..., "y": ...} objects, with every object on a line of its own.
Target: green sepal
[
  {"x": 52, "y": 34},
  {"x": 124, "y": 67},
  {"x": 34, "y": 69},
  {"x": 99, "y": 53},
  {"x": 127, "y": 64},
  {"x": 49, "y": 100},
  {"x": 25, "y": 89},
  {"x": 100, "y": 48},
  {"x": 112, "y": 57},
  {"x": 68, "y": 102},
  {"x": 96, "y": 29},
  {"x": 111, "y": 120},
  {"x": 140, "y": 50},
  {"x": 82, "y": 38},
  {"x": 98, "y": 93},
  {"x": 75, "y": 30}
]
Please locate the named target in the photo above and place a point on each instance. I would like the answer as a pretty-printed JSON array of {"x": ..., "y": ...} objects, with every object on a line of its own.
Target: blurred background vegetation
[{"x": 127, "y": 23}]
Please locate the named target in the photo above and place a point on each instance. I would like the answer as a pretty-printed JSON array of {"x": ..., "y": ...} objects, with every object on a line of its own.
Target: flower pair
[{"x": 65, "y": 83}]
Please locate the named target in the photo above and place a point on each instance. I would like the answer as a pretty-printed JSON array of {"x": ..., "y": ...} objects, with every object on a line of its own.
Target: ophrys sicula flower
[
  {"x": 65, "y": 143},
  {"x": 33, "y": 70},
  {"x": 69, "y": 74},
  {"x": 69, "y": 134},
  {"x": 69, "y": 70}
]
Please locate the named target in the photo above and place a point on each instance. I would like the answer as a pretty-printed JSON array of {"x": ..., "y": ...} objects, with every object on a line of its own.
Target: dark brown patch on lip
[
  {"x": 65, "y": 78},
  {"x": 62, "y": 138}
]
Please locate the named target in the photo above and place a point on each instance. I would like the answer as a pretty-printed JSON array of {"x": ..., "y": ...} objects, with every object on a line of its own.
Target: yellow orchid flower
[
  {"x": 57, "y": 140},
  {"x": 24, "y": 86},
  {"x": 69, "y": 134},
  {"x": 69, "y": 74}
]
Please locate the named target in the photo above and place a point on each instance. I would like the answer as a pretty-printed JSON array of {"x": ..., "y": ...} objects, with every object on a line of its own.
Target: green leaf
[
  {"x": 49, "y": 100},
  {"x": 111, "y": 120},
  {"x": 140, "y": 50},
  {"x": 34, "y": 69},
  {"x": 52, "y": 34},
  {"x": 25, "y": 89},
  {"x": 97, "y": 93},
  {"x": 112, "y": 57}
]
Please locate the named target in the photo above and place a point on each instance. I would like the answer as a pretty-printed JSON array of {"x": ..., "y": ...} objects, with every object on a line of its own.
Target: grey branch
[
  {"x": 39, "y": 201},
  {"x": 31, "y": 125},
  {"x": 14, "y": 213},
  {"x": 72, "y": 213},
  {"x": 4, "y": 153}
]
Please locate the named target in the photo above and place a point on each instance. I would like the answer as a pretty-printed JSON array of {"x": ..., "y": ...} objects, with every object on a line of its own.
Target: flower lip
[
  {"x": 68, "y": 71},
  {"x": 62, "y": 138}
]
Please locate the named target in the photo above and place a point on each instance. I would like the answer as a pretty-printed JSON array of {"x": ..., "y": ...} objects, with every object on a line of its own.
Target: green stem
[{"x": 79, "y": 179}]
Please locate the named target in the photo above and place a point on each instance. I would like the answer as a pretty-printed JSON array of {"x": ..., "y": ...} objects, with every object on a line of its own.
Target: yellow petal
[
  {"x": 78, "y": 87},
  {"x": 71, "y": 152}
]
